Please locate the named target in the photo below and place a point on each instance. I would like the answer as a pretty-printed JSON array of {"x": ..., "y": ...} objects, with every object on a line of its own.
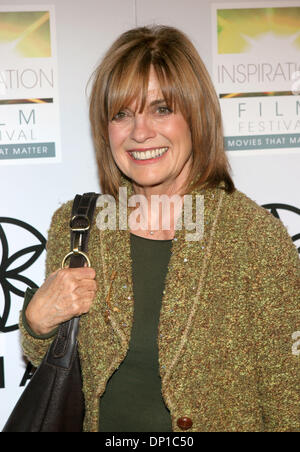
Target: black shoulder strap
[
  {"x": 62, "y": 349},
  {"x": 80, "y": 225}
]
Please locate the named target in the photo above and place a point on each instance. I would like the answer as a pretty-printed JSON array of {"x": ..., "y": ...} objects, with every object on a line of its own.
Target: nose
[{"x": 142, "y": 128}]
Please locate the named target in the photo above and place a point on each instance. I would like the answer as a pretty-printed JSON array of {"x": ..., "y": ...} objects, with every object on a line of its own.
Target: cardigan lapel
[
  {"x": 118, "y": 287},
  {"x": 185, "y": 282}
]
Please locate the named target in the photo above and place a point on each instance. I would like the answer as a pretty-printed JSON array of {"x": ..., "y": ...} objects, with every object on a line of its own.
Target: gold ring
[{"x": 71, "y": 253}]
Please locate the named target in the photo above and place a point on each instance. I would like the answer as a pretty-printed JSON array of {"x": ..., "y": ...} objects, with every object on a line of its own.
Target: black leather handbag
[{"x": 53, "y": 400}]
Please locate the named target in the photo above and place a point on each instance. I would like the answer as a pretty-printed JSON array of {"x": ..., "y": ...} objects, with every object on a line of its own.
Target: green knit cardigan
[{"x": 228, "y": 356}]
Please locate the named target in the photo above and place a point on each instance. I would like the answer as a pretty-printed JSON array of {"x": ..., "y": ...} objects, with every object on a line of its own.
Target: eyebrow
[{"x": 157, "y": 101}]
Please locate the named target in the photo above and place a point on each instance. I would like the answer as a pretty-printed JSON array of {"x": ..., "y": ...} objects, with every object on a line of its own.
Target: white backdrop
[{"x": 30, "y": 193}]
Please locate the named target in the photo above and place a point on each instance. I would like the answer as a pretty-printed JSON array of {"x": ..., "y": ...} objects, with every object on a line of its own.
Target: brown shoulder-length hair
[{"x": 122, "y": 77}]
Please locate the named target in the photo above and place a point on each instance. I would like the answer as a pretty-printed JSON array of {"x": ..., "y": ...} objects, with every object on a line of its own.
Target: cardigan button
[{"x": 184, "y": 422}]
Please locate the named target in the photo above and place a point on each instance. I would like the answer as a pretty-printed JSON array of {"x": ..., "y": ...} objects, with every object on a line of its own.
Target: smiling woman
[{"x": 176, "y": 333}]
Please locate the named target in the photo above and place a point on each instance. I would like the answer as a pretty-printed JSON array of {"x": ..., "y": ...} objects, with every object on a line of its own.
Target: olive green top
[{"x": 132, "y": 401}]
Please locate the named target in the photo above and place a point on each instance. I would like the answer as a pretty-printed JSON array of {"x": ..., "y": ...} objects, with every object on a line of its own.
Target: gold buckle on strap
[
  {"x": 82, "y": 220},
  {"x": 75, "y": 252}
]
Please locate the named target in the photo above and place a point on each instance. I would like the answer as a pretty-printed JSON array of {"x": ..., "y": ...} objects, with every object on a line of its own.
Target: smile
[{"x": 150, "y": 154}]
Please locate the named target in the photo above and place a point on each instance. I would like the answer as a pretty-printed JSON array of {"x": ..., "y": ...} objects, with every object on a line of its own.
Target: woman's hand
[{"x": 65, "y": 294}]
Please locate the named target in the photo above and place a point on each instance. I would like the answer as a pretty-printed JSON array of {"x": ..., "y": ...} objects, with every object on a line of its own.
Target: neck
[{"x": 156, "y": 213}]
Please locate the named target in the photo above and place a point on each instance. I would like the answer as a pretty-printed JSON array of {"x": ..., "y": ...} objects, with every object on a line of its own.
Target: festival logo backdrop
[
  {"x": 29, "y": 114},
  {"x": 22, "y": 253},
  {"x": 13, "y": 264},
  {"x": 257, "y": 74}
]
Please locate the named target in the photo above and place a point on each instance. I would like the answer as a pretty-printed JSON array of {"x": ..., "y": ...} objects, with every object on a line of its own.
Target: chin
[{"x": 147, "y": 181}]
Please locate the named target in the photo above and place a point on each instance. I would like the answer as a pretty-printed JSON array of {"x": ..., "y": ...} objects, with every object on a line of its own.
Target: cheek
[
  {"x": 180, "y": 134},
  {"x": 118, "y": 134},
  {"x": 176, "y": 124},
  {"x": 114, "y": 137},
  {"x": 117, "y": 137}
]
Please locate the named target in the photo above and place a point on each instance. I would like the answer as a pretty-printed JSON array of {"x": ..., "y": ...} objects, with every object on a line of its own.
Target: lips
[{"x": 147, "y": 154}]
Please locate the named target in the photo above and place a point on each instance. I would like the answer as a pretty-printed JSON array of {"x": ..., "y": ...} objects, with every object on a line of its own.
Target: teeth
[{"x": 149, "y": 154}]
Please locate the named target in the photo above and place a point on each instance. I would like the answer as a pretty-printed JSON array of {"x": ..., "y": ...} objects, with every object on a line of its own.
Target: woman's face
[{"x": 152, "y": 148}]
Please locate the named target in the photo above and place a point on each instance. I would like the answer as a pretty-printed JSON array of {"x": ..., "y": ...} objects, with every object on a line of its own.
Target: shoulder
[
  {"x": 243, "y": 210},
  {"x": 257, "y": 225},
  {"x": 238, "y": 208},
  {"x": 62, "y": 214},
  {"x": 59, "y": 229},
  {"x": 241, "y": 206},
  {"x": 58, "y": 241}
]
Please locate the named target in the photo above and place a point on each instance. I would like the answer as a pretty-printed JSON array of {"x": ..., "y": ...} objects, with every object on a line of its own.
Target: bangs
[{"x": 129, "y": 83}]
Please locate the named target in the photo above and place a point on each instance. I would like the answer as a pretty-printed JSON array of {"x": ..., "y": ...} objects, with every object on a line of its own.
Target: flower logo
[{"x": 14, "y": 263}]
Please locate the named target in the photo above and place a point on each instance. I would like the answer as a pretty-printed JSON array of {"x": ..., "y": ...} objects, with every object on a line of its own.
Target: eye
[
  {"x": 122, "y": 114},
  {"x": 164, "y": 110}
]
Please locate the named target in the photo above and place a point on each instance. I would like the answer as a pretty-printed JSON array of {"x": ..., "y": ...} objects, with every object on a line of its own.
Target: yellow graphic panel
[
  {"x": 25, "y": 34},
  {"x": 252, "y": 30}
]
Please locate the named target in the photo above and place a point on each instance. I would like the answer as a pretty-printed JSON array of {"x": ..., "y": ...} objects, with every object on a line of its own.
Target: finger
[
  {"x": 85, "y": 273},
  {"x": 80, "y": 272},
  {"x": 84, "y": 293},
  {"x": 91, "y": 284},
  {"x": 87, "y": 284},
  {"x": 86, "y": 306},
  {"x": 83, "y": 305}
]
